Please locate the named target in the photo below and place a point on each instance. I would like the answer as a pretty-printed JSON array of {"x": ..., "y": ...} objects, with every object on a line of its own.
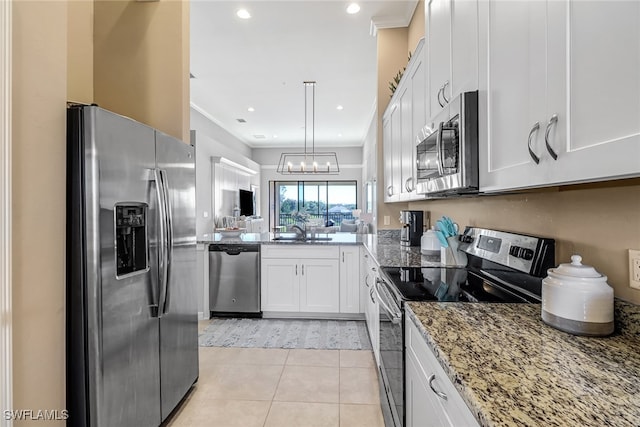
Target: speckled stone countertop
[
  {"x": 513, "y": 370},
  {"x": 384, "y": 247}
]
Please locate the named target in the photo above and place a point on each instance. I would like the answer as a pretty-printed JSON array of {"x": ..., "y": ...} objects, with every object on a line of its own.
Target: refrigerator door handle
[
  {"x": 162, "y": 241},
  {"x": 169, "y": 242}
]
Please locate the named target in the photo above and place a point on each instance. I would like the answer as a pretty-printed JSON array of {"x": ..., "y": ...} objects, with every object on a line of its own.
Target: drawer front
[
  {"x": 298, "y": 251},
  {"x": 457, "y": 410}
]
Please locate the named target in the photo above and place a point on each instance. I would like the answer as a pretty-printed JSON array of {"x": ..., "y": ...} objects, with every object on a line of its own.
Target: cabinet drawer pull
[
  {"x": 440, "y": 394},
  {"x": 553, "y": 120},
  {"x": 533, "y": 155}
]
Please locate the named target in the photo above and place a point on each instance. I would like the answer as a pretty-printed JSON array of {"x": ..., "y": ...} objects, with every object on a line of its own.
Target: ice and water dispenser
[{"x": 131, "y": 238}]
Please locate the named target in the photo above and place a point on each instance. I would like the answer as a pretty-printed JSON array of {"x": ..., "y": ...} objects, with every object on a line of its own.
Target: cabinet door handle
[
  {"x": 408, "y": 185},
  {"x": 553, "y": 120},
  {"x": 303, "y": 269},
  {"x": 444, "y": 97},
  {"x": 440, "y": 394},
  {"x": 342, "y": 256},
  {"x": 296, "y": 269},
  {"x": 390, "y": 190},
  {"x": 438, "y": 96},
  {"x": 533, "y": 155}
]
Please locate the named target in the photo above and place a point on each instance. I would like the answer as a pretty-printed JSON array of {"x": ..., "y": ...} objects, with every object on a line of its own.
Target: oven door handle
[{"x": 396, "y": 317}]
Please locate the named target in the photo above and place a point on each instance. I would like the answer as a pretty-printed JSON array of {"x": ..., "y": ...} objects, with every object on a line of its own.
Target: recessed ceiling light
[
  {"x": 339, "y": 107},
  {"x": 275, "y": 136},
  {"x": 339, "y": 135},
  {"x": 243, "y": 14},
  {"x": 251, "y": 109},
  {"x": 353, "y": 8}
]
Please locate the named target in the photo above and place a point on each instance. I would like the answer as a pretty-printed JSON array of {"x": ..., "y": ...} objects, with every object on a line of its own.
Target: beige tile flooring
[{"x": 279, "y": 388}]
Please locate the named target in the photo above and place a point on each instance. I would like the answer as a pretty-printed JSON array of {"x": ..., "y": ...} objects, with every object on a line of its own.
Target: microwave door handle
[{"x": 440, "y": 148}]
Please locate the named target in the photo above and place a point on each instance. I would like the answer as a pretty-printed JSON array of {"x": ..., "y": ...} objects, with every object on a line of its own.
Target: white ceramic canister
[
  {"x": 577, "y": 299},
  {"x": 429, "y": 243}
]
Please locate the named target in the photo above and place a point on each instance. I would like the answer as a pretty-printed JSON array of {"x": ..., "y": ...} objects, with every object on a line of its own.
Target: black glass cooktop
[{"x": 461, "y": 284}]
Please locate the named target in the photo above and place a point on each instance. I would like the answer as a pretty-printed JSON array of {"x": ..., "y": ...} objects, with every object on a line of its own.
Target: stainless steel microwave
[{"x": 447, "y": 154}]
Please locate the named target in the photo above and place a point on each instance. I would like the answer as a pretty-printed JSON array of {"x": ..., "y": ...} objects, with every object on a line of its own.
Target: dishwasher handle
[{"x": 233, "y": 251}]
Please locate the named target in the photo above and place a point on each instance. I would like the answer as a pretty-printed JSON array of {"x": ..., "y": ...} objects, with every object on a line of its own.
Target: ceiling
[{"x": 262, "y": 62}]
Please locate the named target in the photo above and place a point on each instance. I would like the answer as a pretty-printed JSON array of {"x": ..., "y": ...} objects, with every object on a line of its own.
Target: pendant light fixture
[{"x": 309, "y": 162}]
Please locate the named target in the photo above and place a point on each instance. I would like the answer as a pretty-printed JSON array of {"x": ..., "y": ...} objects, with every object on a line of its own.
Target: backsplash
[
  {"x": 600, "y": 222},
  {"x": 388, "y": 237}
]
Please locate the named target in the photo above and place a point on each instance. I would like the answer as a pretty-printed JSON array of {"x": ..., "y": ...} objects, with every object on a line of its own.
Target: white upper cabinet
[
  {"x": 414, "y": 117},
  {"x": 391, "y": 152},
  {"x": 452, "y": 51},
  {"x": 403, "y": 119},
  {"x": 560, "y": 92},
  {"x": 438, "y": 34}
]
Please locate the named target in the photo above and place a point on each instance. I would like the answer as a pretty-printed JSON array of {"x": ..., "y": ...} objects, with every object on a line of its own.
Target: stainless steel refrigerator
[{"x": 132, "y": 327}]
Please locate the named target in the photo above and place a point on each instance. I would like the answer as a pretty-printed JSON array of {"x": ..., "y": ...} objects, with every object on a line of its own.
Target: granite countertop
[
  {"x": 387, "y": 251},
  {"x": 513, "y": 370},
  {"x": 267, "y": 238}
]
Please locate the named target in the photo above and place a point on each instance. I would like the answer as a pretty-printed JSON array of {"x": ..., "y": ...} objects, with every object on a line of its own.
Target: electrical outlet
[
  {"x": 386, "y": 220},
  {"x": 634, "y": 268},
  {"x": 205, "y": 214}
]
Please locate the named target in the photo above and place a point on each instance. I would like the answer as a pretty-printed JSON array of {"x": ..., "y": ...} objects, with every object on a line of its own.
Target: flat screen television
[{"x": 246, "y": 203}]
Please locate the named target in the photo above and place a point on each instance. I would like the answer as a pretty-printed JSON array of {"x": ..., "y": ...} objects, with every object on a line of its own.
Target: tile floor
[{"x": 279, "y": 388}]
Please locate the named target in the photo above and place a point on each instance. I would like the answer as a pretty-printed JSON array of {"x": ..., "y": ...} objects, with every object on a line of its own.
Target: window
[{"x": 329, "y": 201}]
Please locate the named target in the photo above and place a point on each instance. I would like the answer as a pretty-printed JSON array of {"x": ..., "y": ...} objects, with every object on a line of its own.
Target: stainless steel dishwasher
[{"x": 234, "y": 280}]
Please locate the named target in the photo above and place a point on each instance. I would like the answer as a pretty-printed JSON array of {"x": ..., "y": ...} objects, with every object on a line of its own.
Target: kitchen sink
[{"x": 301, "y": 239}]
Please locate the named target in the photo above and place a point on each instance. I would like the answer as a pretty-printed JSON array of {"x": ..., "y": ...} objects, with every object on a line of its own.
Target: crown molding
[{"x": 381, "y": 22}]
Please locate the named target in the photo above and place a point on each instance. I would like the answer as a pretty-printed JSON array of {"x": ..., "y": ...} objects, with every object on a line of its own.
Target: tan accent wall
[
  {"x": 80, "y": 52},
  {"x": 416, "y": 27},
  {"x": 600, "y": 222},
  {"x": 39, "y": 68},
  {"x": 141, "y": 62},
  {"x": 392, "y": 57},
  {"x": 138, "y": 67}
]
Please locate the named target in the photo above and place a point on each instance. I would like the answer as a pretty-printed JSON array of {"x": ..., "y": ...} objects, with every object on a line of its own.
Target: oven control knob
[
  {"x": 520, "y": 252},
  {"x": 465, "y": 238},
  {"x": 526, "y": 254}
]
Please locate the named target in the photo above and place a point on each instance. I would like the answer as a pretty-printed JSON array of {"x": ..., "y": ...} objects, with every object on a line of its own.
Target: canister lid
[{"x": 576, "y": 269}]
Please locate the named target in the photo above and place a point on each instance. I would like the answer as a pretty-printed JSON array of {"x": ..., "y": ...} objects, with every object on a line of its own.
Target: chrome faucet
[{"x": 300, "y": 233}]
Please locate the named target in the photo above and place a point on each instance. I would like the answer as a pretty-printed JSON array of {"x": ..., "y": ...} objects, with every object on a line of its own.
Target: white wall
[
  {"x": 212, "y": 141},
  {"x": 349, "y": 158}
]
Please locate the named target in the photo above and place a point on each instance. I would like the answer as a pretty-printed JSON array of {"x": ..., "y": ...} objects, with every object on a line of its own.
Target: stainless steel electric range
[{"x": 502, "y": 268}]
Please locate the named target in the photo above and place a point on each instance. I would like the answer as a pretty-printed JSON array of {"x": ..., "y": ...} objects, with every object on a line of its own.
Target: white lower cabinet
[
  {"x": 370, "y": 303},
  {"x": 319, "y": 285},
  {"x": 431, "y": 398},
  {"x": 310, "y": 279},
  {"x": 350, "y": 279},
  {"x": 280, "y": 285}
]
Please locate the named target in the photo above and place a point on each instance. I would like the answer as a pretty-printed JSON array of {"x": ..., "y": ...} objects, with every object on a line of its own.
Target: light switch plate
[
  {"x": 634, "y": 268},
  {"x": 386, "y": 220}
]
